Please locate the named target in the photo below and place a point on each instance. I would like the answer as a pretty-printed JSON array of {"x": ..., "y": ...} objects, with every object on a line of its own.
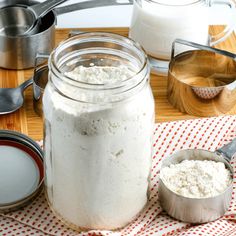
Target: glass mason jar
[
  {"x": 157, "y": 23},
  {"x": 98, "y": 137}
]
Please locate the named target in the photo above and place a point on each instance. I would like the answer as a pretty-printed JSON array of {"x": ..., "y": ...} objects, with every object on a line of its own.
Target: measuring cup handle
[
  {"x": 215, "y": 39},
  {"x": 201, "y": 47},
  {"x": 38, "y": 57},
  {"x": 38, "y": 88},
  {"x": 228, "y": 150},
  {"x": 43, "y": 8}
]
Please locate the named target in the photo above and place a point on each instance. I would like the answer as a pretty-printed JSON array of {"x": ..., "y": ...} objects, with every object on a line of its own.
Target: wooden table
[{"x": 26, "y": 121}]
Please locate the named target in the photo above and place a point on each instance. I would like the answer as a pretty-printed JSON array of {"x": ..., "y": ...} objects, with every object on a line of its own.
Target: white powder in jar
[
  {"x": 196, "y": 179},
  {"x": 98, "y": 158},
  {"x": 100, "y": 74}
]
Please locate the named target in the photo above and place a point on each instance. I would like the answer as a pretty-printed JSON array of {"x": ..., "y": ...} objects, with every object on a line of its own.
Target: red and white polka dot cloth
[{"x": 210, "y": 133}]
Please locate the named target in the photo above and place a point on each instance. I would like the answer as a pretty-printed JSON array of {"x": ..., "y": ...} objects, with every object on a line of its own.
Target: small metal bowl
[
  {"x": 195, "y": 210},
  {"x": 202, "y": 82}
]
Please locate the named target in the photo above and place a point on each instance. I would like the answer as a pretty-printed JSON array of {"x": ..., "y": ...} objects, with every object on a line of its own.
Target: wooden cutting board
[{"x": 26, "y": 121}]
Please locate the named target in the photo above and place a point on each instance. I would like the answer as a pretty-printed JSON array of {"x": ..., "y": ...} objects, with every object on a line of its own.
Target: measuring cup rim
[
  {"x": 220, "y": 155},
  {"x": 25, "y": 36},
  {"x": 23, "y": 9}
]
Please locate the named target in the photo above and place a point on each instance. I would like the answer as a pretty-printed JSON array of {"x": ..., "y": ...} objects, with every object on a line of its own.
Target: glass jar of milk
[
  {"x": 157, "y": 23},
  {"x": 99, "y": 117}
]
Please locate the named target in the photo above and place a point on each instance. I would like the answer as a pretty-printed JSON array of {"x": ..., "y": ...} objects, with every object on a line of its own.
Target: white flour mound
[
  {"x": 196, "y": 179},
  {"x": 100, "y": 74}
]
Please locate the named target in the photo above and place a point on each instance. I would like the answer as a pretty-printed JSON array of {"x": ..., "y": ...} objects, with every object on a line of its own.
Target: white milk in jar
[
  {"x": 99, "y": 117},
  {"x": 156, "y": 24}
]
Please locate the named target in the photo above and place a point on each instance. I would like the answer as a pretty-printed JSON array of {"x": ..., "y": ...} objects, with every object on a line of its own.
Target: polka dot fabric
[
  {"x": 207, "y": 93},
  {"x": 210, "y": 134}
]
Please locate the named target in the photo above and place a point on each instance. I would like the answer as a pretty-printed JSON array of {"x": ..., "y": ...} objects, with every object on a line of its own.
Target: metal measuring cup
[
  {"x": 198, "y": 210},
  {"x": 201, "y": 80},
  {"x": 16, "y": 20}
]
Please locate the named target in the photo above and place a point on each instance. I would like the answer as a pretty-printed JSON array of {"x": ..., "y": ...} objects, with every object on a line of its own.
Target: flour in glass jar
[
  {"x": 102, "y": 154},
  {"x": 100, "y": 74}
]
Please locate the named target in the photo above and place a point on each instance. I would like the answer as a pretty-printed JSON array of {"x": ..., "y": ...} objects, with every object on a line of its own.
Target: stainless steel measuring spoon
[
  {"x": 11, "y": 99},
  {"x": 16, "y": 20}
]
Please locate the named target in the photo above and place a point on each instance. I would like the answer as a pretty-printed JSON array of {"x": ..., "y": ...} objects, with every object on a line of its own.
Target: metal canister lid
[{"x": 21, "y": 170}]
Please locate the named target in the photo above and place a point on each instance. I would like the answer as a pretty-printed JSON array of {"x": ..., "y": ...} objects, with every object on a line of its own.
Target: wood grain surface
[{"x": 26, "y": 121}]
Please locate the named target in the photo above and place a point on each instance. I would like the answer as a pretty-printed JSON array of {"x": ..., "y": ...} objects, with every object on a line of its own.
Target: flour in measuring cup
[
  {"x": 196, "y": 179},
  {"x": 98, "y": 156}
]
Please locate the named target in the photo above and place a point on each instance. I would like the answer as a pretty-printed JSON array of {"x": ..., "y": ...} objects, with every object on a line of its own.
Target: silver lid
[{"x": 21, "y": 170}]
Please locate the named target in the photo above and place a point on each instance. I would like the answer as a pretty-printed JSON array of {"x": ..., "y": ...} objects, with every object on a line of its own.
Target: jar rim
[{"x": 102, "y": 35}]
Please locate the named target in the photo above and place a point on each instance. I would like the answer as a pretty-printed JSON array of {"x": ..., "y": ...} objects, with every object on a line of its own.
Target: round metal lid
[{"x": 21, "y": 170}]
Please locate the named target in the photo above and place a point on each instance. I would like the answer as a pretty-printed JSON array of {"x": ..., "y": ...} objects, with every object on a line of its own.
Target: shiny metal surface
[
  {"x": 20, "y": 52},
  {"x": 201, "y": 79},
  {"x": 40, "y": 80},
  {"x": 14, "y": 20},
  {"x": 228, "y": 151},
  {"x": 201, "y": 47},
  {"x": 11, "y": 99},
  {"x": 195, "y": 210},
  {"x": 37, "y": 12},
  {"x": 18, "y": 20}
]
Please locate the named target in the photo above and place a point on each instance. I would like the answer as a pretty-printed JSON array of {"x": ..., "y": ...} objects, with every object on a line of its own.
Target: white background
[{"x": 118, "y": 16}]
